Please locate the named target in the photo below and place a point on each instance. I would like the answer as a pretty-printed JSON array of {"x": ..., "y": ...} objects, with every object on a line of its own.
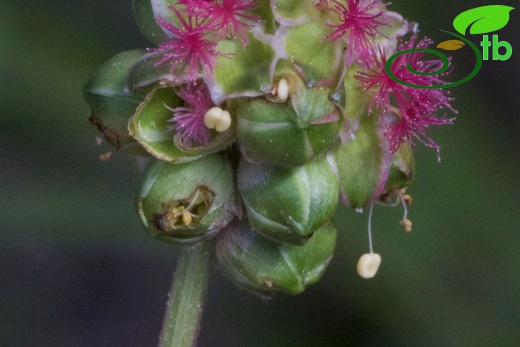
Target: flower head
[
  {"x": 189, "y": 48},
  {"x": 359, "y": 23},
  {"x": 227, "y": 17},
  {"x": 413, "y": 107},
  {"x": 189, "y": 120}
]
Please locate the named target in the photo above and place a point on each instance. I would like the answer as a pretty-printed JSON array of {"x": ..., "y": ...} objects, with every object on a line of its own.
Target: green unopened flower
[
  {"x": 289, "y": 126},
  {"x": 362, "y": 164},
  {"x": 262, "y": 265},
  {"x": 288, "y": 204}
]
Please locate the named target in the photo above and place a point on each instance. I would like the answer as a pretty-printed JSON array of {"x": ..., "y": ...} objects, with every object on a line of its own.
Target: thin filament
[{"x": 370, "y": 228}]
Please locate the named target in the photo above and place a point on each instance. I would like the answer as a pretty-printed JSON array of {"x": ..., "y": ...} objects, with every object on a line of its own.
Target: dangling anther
[{"x": 368, "y": 264}]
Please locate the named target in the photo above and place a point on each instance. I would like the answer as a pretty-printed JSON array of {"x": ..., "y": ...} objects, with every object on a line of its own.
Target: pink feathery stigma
[
  {"x": 413, "y": 109},
  {"x": 189, "y": 120},
  {"x": 227, "y": 17},
  {"x": 189, "y": 49},
  {"x": 360, "y": 21}
]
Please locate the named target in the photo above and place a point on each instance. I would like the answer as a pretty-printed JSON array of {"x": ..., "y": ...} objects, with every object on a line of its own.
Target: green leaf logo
[{"x": 483, "y": 19}]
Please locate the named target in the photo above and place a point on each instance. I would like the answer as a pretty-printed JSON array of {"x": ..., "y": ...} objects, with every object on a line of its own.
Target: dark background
[{"x": 77, "y": 269}]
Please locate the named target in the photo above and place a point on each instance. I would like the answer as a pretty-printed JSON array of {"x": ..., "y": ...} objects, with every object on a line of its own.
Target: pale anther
[
  {"x": 218, "y": 119},
  {"x": 368, "y": 265},
  {"x": 282, "y": 91}
]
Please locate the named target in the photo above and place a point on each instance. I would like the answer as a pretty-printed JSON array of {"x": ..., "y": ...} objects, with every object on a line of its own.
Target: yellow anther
[
  {"x": 186, "y": 218},
  {"x": 407, "y": 225}
]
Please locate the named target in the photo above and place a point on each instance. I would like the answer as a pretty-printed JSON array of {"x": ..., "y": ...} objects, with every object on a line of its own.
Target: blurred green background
[{"x": 77, "y": 269}]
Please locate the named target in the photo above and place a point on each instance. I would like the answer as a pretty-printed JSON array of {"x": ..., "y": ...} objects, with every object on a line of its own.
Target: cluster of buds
[{"x": 257, "y": 117}]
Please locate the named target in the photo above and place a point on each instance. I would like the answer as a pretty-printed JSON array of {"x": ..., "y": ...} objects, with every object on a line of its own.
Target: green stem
[{"x": 186, "y": 299}]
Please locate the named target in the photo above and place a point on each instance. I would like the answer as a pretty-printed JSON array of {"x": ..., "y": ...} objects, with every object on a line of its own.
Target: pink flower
[
  {"x": 227, "y": 17},
  {"x": 414, "y": 126},
  {"x": 189, "y": 47},
  {"x": 413, "y": 107},
  {"x": 360, "y": 21},
  {"x": 189, "y": 120}
]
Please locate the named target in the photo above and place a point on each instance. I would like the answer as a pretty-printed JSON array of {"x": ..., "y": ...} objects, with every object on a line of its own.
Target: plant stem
[{"x": 186, "y": 299}]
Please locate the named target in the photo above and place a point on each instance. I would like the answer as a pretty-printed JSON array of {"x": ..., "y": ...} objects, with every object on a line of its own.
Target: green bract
[
  {"x": 188, "y": 202},
  {"x": 259, "y": 264}
]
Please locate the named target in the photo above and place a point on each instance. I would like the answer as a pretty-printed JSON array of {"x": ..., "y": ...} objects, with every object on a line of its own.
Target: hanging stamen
[
  {"x": 405, "y": 200},
  {"x": 368, "y": 263}
]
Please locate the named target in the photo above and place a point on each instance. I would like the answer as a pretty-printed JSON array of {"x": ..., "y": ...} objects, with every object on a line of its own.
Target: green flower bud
[
  {"x": 362, "y": 164},
  {"x": 287, "y": 132},
  {"x": 111, "y": 104},
  {"x": 288, "y": 204},
  {"x": 259, "y": 264},
  {"x": 186, "y": 203}
]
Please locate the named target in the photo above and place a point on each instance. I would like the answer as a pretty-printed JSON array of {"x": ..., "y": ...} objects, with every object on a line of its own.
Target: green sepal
[
  {"x": 146, "y": 13},
  {"x": 362, "y": 164},
  {"x": 145, "y": 75},
  {"x": 145, "y": 19},
  {"x": 261, "y": 265},
  {"x": 267, "y": 22},
  {"x": 150, "y": 127},
  {"x": 356, "y": 99},
  {"x": 395, "y": 26},
  {"x": 318, "y": 58},
  {"x": 402, "y": 170},
  {"x": 293, "y": 12},
  {"x": 388, "y": 34},
  {"x": 291, "y": 133},
  {"x": 240, "y": 71},
  {"x": 288, "y": 204},
  {"x": 165, "y": 187},
  {"x": 111, "y": 104}
]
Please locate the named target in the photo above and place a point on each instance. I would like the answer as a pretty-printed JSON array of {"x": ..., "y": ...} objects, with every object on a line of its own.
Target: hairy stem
[{"x": 186, "y": 299}]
